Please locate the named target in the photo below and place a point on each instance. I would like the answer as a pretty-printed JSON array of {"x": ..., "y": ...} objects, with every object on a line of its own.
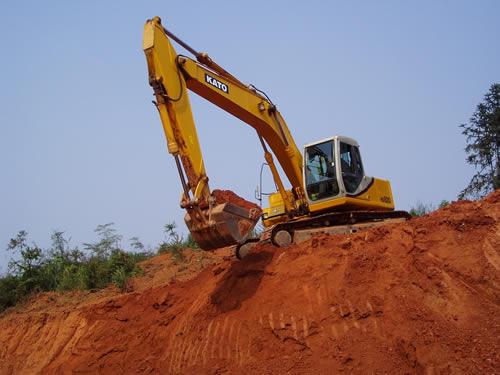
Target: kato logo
[{"x": 221, "y": 86}]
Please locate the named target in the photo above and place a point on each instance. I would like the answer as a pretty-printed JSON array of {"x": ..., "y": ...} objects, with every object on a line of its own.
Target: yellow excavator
[{"x": 329, "y": 189}]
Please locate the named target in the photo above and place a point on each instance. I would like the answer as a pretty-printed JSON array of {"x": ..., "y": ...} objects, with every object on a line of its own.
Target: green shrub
[
  {"x": 444, "y": 203},
  {"x": 120, "y": 278},
  {"x": 63, "y": 268},
  {"x": 421, "y": 209},
  {"x": 174, "y": 244},
  {"x": 176, "y": 250},
  {"x": 71, "y": 278},
  {"x": 121, "y": 259},
  {"x": 191, "y": 243},
  {"x": 95, "y": 273},
  {"x": 8, "y": 291}
]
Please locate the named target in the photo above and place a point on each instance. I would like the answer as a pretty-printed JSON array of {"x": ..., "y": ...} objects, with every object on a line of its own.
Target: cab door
[
  {"x": 320, "y": 172},
  {"x": 351, "y": 167}
]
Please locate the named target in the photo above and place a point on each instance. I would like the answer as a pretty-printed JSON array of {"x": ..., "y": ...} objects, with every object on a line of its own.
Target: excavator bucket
[{"x": 229, "y": 223}]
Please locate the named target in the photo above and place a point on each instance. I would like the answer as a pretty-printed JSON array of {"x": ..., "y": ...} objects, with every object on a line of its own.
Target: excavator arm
[{"x": 171, "y": 75}]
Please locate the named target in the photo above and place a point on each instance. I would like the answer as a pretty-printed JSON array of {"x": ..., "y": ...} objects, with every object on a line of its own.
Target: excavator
[{"x": 329, "y": 190}]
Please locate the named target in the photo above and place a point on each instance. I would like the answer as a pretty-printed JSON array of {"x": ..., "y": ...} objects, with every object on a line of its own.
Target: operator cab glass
[
  {"x": 350, "y": 164},
  {"x": 321, "y": 178}
]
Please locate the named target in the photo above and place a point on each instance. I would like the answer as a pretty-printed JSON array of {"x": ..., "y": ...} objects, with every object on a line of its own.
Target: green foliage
[
  {"x": 483, "y": 145},
  {"x": 62, "y": 268},
  {"x": 120, "y": 278},
  {"x": 72, "y": 278},
  {"x": 8, "y": 291},
  {"x": 175, "y": 243},
  {"x": 191, "y": 243},
  {"x": 136, "y": 244},
  {"x": 444, "y": 203},
  {"x": 109, "y": 240},
  {"x": 29, "y": 269},
  {"x": 421, "y": 209}
]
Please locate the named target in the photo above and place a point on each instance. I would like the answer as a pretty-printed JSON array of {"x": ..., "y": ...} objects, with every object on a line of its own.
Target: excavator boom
[{"x": 212, "y": 222}]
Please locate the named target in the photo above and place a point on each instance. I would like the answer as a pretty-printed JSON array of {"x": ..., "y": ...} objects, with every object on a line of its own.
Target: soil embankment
[{"x": 418, "y": 297}]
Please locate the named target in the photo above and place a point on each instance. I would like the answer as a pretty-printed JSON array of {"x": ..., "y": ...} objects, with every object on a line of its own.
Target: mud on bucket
[{"x": 229, "y": 222}]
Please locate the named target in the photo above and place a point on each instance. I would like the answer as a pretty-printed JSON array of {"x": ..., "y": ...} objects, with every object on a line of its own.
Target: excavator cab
[
  {"x": 334, "y": 179},
  {"x": 333, "y": 168}
]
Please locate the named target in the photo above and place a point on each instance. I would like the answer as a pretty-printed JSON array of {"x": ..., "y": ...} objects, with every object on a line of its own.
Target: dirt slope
[{"x": 419, "y": 297}]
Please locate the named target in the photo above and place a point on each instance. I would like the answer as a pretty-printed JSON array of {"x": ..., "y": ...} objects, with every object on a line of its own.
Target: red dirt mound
[{"x": 418, "y": 297}]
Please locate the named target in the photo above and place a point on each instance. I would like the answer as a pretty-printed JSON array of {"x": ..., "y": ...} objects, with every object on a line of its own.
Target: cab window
[
  {"x": 351, "y": 166},
  {"x": 321, "y": 179}
]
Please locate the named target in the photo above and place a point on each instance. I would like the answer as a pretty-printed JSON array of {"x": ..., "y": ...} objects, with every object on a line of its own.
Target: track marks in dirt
[
  {"x": 340, "y": 320},
  {"x": 223, "y": 338}
]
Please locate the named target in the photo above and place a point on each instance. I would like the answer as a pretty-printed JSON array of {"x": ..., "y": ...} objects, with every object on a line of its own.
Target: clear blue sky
[{"x": 81, "y": 144}]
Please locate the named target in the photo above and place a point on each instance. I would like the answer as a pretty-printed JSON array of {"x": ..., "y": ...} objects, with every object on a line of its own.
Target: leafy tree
[
  {"x": 58, "y": 258},
  {"x": 28, "y": 267},
  {"x": 136, "y": 244},
  {"x": 31, "y": 255},
  {"x": 483, "y": 145},
  {"x": 109, "y": 240},
  {"x": 59, "y": 244}
]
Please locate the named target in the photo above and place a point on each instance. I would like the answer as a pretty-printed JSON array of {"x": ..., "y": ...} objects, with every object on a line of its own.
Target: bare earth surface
[{"x": 420, "y": 297}]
